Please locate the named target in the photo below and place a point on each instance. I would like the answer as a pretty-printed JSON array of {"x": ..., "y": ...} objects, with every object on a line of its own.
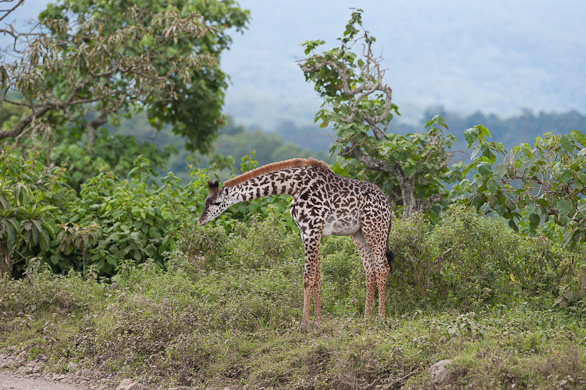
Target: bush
[
  {"x": 469, "y": 260},
  {"x": 237, "y": 326},
  {"x": 264, "y": 244}
]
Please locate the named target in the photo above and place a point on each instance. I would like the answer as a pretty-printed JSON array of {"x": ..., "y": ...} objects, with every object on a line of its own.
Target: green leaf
[
  {"x": 578, "y": 136},
  {"x": 492, "y": 186},
  {"x": 484, "y": 131},
  {"x": 580, "y": 178},
  {"x": 534, "y": 220},
  {"x": 147, "y": 41},
  {"x": 135, "y": 211},
  {"x": 564, "y": 207},
  {"x": 410, "y": 171},
  {"x": 513, "y": 225},
  {"x": 171, "y": 52},
  {"x": 500, "y": 170},
  {"x": 474, "y": 152},
  {"x": 567, "y": 144},
  {"x": 565, "y": 175},
  {"x": 485, "y": 170},
  {"x": 438, "y": 121},
  {"x": 582, "y": 207},
  {"x": 471, "y": 135}
]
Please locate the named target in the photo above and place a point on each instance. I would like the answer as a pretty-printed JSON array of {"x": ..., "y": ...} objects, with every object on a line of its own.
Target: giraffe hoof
[{"x": 304, "y": 327}]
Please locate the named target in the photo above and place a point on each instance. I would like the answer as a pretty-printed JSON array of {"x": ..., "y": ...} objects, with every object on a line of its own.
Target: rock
[
  {"x": 439, "y": 371},
  {"x": 20, "y": 359},
  {"x": 32, "y": 363},
  {"x": 6, "y": 363},
  {"x": 71, "y": 367},
  {"x": 129, "y": 384}
]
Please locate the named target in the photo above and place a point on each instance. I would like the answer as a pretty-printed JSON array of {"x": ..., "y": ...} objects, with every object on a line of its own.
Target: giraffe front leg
[
  {"x": 317, "y": 299},
  {"x": 307, "y": 289},
  {"x": 311, "y": 280},
  {"x": 311, "y": 229}
]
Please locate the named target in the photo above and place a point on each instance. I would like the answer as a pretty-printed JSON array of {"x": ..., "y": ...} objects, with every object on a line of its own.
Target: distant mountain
[{"x": 510, "y": 130}]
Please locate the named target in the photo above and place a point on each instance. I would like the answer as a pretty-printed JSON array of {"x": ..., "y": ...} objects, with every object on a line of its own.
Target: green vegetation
[
  {"x": 543, "y": 185},
  {"x": 95, "y": 63},
  {"x": 102, "y": 264},
  {"x": 225, "y": 312},
  {"x": 413, "y": 169},
  {"x": 514, "y": 129}
]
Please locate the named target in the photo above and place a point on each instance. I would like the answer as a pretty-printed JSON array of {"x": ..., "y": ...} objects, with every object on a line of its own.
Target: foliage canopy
[{"x": 92, "y": 63}]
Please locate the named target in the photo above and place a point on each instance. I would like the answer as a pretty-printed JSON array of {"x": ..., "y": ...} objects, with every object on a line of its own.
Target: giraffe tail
[{"x": 390, "y": 257}]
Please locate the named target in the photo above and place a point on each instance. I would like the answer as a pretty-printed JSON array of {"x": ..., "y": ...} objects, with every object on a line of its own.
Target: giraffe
[{"x": 323, "y": 204}]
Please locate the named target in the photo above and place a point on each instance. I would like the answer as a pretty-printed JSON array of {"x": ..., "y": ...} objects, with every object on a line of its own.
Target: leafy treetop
[{"x": 91, "y": 56}]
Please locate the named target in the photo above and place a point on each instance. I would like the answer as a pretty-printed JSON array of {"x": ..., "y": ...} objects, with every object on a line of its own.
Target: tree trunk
[
  {"x": 5, "y": 263},
  {"x": 407, "y": 185},
  {"x": 92, "y": 127}
]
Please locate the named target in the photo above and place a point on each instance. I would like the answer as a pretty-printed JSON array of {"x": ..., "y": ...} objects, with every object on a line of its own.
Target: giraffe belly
[{"x": 341, "y": 225}]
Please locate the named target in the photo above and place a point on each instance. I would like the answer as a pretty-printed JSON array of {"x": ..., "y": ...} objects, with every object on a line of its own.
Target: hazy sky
[{"x": 499, "y": 57}]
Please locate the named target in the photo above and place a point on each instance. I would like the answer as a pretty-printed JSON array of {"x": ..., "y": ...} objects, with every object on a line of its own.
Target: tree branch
[
  {"x": 10, "y": 10},
  {"x": 21, "y": 126},
  {"x": 368, "y": 161}
]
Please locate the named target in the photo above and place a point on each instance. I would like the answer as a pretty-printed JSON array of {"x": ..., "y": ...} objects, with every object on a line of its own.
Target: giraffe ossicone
[{"x": 323, "y": 204}]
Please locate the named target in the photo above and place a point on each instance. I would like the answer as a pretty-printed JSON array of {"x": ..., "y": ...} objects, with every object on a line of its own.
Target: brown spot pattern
[{"x": 323, "y": 204}]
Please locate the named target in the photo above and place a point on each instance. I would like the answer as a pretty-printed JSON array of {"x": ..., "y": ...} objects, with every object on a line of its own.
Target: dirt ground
[{"x": 9, "y": 381}]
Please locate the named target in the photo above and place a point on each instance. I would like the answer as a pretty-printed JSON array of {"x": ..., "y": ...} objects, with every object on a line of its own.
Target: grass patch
[
  {"x": 168, "y": 329},
  {"x": 232, "y": 321}
]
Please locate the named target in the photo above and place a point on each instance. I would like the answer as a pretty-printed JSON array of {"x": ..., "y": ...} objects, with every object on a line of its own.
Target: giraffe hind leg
[
  {"x": 376, "y": 240},
  {"x": 367, "y": 262},
  {"x": 304, "y": 327}
]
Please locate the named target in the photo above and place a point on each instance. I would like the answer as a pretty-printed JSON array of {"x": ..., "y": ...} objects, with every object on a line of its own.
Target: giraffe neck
[{"x": 285, "y": 181}]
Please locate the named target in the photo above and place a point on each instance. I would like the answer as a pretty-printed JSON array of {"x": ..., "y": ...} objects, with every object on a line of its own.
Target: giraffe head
[{"x": 217, "y": 201}]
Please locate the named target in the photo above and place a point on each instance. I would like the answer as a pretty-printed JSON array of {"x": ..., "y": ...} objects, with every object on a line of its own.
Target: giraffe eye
[{"x": 217, "y": 203}]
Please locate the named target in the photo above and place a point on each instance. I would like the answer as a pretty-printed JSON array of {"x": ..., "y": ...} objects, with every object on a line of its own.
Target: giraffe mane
[{"x": 293, "y": 163}]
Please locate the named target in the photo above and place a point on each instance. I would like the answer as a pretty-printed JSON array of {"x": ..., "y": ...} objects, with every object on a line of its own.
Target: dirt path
[
  {"x": 18, "y": 373},
  {"x": 10, "y": 381}
]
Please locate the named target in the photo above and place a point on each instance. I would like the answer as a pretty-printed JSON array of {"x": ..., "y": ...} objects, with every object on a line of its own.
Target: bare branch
[
  {"x": 9, "y": 10},
  {"x": 368, "y": 161},
  {"x": 371, "y": 77}
]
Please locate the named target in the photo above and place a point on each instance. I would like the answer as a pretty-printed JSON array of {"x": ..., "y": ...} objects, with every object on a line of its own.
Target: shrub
[
  {"x": 468, "y": 260},
  {"x": 264, "y": 244}
]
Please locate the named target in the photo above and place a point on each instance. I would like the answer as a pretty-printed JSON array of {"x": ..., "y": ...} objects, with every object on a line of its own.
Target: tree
[
  {"x": 413, "y": 169},
  {"x": 91, "y": 57},
  {"x": 532, "y": 185}
]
